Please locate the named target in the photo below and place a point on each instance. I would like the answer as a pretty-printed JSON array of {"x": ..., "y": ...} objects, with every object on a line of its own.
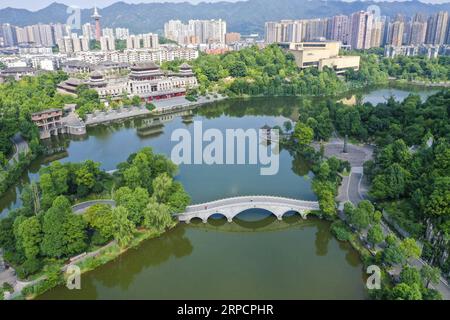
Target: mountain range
[{"x": 244, "y": 16}]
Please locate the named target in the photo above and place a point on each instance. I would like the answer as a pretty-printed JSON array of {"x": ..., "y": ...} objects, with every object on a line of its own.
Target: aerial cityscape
[{"x": 198, "y": 151}]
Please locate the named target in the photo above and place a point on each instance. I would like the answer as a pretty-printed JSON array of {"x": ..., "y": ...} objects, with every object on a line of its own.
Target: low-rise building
[
  {"x": 49, "y": 122},
  {"x": 16, "y": 73},
  {"x": 427, "y": 50},
  {"x": 146, "y": 80},
  {"x": 322, "y": 54},
  {"x": 53, "y": 122}
]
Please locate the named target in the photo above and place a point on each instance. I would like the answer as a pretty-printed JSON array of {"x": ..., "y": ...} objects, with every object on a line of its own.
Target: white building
[
  {"x": 146, "y": 80},
  {"x": 107, "y": 43},
  {"x": 196, "y": 31},
  {"x": 122, "y": 33}
]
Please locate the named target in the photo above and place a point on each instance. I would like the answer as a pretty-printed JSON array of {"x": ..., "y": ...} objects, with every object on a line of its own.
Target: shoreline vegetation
[
  {"x": 408, "y": 177},
  {"x": 315, "y": 123},
  {"x": 39, "y": 238}
]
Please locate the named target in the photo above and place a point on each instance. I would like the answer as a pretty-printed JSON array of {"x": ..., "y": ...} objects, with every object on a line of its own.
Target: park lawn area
[{"x": 405, "y": 215}]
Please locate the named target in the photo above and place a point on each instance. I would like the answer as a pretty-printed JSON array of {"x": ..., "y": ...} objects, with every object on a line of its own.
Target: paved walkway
[
  {"x": 354, "y": 189},
  {"x": 183, "y": 102},
  {"x": 162, "y": 106},
  {"x": 81, "y": 208},
  {"x": 20, "y": 145}
]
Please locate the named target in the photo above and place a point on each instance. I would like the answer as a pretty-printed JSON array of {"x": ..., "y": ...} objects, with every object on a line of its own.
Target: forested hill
[{"x": 243, "y": 16}]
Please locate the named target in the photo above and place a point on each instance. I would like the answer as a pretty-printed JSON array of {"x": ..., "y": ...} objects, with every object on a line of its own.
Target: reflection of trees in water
[
  {"x": 256, "y": 106},
  {"x": 351, "y": 255},
  {"x": 151, "y": 253},
  {"x": 300, "y": 166},
  {"x": 323, "y": 237}
]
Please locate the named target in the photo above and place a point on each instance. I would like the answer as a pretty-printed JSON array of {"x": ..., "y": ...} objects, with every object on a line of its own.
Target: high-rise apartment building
[
  {"x": 437, "y": 28},
  {"x": 417, "y": 30},
  {"x": 108, "y": 32},
  {"x": 73, "y": 44},
  {"x": 134, "y": 41},
  {"x": 316, "y": 29},
  {"x": 340, "y": 28},
  {"x": 285, "y": 31},
  {"x": 361, "y": 30},
  {"x": 9, "y": 35},
  {"x": 122, "y": 33},
  {"x": 150, "y": 40},
  {"x": 107, "y": 43},
  {"x": 206, "y": 31},
  {"x": 88, "y": 31},
  {"x": 376, "y": 33},
  {"x": 395, "y": 33}
]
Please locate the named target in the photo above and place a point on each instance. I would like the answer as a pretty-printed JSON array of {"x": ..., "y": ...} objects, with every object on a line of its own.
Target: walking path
[
  {"x": 354, "y": 189},
  {"x": 20, "y": 145},
  {"x": 162, "y": 107}
]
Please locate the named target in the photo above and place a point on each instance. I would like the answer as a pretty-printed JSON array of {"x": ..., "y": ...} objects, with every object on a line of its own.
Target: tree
[
  {"x": 53, "y": 244},
  {"x": 410, "y": 276},
  {"x": 359, "y": 218},
  {"x": 162, "y": 186},
  {"x": 410, "y": 248},
  {"x": 303, "y": 134},
  {"x": 64, "y": 232},
  {"x": 74, "y": 234},
  {"x": 438, "y": 204},
  {"x": 136, "y": 101},
  {"x": 53, "y": 182},
  {"x": 393, "y": 255},
  {"x": 86, "y": 177},
  {"x": 123, "y": 228},
  {"x": 403, "y": 291},
  {"x": 178, "y": 199},
  {"x": 7, "y": 241},
  {"x": 134, "y": 201},
  {"x": 430, "y": 275},
  {"x": 99, "y": 217},
  {"x": 375, "y": 234},
  {"x": 392, "y": 184},
  {"x": 157, "y": 215},
  {"x": 30, "y": 235},
  {"x": 327, "y": 204}
]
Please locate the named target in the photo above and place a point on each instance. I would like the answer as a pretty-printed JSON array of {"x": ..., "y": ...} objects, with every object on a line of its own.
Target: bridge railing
[{"x": 254, "y": 198}]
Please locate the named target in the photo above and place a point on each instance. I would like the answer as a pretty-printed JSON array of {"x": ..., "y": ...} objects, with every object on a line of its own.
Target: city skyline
[{"x": 86, "y": 4}]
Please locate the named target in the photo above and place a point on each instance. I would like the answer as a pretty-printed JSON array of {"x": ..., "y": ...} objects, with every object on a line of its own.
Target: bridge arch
[{"x": 231, "y": 207}]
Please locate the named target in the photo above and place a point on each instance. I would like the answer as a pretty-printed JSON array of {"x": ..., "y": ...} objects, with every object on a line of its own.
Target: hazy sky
[{"x": 35, "y": 5}]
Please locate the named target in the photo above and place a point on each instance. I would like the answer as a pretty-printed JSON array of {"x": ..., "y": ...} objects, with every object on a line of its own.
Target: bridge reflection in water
[{"x": 252, "y": 220}]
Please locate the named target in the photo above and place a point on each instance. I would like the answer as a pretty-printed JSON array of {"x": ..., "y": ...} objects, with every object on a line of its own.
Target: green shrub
[
  {"x": 341, "y": 231},
  {"x": 29, "y": 267}
]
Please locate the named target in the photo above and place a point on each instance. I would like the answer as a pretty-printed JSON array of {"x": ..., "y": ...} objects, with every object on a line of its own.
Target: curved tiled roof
[{"x": 145, "y": 66}]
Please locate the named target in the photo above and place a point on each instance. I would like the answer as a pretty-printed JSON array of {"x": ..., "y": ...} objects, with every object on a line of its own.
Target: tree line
[{"x": 45, "y": 232}]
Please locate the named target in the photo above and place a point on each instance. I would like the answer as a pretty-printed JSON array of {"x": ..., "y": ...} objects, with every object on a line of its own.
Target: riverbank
[
  {"x": 353, "y": 190},
  {"x": 441, "y": 84},
  {"x": 86, "y": 262},
  {"x": 165, "y": 106}
]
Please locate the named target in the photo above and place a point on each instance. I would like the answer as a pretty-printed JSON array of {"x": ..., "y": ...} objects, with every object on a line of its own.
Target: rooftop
[{"x": 46, "y": 111}]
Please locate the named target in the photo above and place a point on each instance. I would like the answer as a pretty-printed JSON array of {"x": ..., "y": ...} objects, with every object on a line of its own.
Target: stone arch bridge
[{"x": 231, "y": 207}]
